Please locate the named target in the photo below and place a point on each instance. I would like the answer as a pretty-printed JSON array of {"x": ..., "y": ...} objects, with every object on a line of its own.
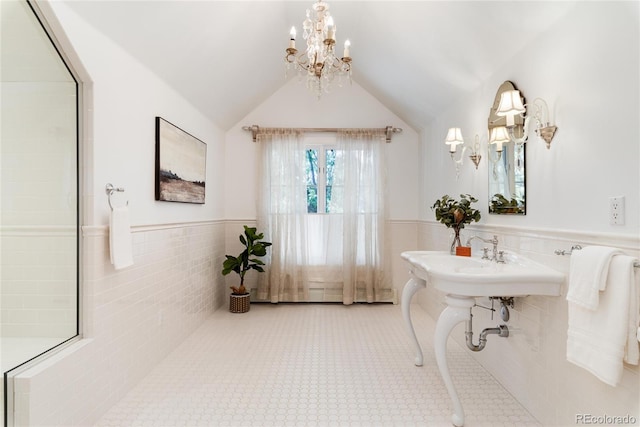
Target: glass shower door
[{"x": 38, "y": 192}]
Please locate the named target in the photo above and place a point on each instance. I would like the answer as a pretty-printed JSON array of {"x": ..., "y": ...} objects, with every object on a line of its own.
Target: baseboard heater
[{"x": 335, "y": 295}]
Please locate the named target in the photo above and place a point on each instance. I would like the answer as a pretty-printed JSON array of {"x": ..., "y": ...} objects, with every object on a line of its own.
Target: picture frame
[{"x": 180, "y": 165}]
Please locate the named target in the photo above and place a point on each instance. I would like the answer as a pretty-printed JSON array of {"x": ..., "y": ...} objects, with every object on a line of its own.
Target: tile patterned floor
[{"x": 312, "y": 365}]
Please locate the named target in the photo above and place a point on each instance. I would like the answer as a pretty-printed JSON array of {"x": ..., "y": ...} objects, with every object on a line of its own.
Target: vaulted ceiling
[{"x": 416, "y": 57}]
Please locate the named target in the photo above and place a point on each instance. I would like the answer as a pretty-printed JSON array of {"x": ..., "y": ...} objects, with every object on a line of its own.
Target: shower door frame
[{"x": 47, "y": 19}]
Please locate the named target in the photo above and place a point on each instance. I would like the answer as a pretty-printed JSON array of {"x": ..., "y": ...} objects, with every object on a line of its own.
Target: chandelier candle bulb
[
  {"x": 346, "y": 52},
  {"x": 331, "y": 29},
  {"x": 292, "y": 42}
]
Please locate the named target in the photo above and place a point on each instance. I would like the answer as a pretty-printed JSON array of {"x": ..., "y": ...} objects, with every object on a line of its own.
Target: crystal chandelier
[{"x": 319, "y": 61}]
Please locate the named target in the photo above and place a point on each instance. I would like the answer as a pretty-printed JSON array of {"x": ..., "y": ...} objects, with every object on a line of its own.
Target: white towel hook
[{"x": 110, "y": 189}]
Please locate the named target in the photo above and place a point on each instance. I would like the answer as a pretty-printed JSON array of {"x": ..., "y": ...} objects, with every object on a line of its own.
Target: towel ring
[{"x": 110, "y": 189}]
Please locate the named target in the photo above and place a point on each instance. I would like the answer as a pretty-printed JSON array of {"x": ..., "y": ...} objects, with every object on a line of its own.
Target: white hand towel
[
  {"x": 599, "y": 340},
  {"x": 588, "y": 274},
  {"x": 120, "y": 241},
  {"x": 632, "y": 349}
]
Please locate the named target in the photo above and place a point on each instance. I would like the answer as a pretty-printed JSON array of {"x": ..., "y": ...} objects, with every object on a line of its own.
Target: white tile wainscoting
[
  {"x": 38, "y": 301},
  {"x": 132, "y": 318},
  {"x": 531, "y": 364}
]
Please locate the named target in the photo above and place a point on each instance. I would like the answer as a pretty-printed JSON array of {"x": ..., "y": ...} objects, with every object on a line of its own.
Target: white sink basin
[
  {"x": 475, "y": 277},
  {"x": 464, "y": 279}
]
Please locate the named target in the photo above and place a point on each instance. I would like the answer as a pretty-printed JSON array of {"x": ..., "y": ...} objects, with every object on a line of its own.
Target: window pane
[
  {"x": 330, "y": 159},
  {"x": 312, "y": 199},
  {"x": 311, "y": 177},
  {"x": 334, "y": 183}
]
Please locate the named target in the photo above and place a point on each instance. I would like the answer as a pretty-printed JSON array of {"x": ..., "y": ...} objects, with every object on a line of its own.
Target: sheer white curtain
[
  {"x": 360, "y": 191},
  {"x": 282, "y": 215},
  {"x": 345, "y": 247}
]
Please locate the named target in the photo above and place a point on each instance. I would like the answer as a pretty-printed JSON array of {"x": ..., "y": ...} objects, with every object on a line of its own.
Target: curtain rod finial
[{"x": 254, "y": 131}]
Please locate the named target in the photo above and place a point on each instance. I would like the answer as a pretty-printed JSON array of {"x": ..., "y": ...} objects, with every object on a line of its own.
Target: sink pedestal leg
[
  {"x": 413, "y": 285},
  {"x": 457, "y": 311}
]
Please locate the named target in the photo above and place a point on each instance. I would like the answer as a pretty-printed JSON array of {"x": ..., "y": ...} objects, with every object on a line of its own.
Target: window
[
  {"x": 322, "y": 206},
  {"x": 319, "y": 169}
]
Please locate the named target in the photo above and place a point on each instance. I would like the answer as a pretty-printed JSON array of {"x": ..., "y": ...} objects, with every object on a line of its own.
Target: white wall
[
  {"x": 127, "y": 98},
  {"x": 583, "y": 66},
  {"x": 586, "y": 68}
]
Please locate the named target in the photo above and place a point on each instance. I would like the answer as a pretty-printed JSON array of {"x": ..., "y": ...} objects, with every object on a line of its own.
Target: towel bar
[
  {"x": 567, "y": 252},
  {"x": 577, "y": 248}
]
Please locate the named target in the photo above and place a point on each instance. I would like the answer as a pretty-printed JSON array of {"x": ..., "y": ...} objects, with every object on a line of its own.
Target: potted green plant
[
  {"x": 500, "y": 204},
  {"x": 455, "y": 214},
  {"x": 254, "y": 248}
]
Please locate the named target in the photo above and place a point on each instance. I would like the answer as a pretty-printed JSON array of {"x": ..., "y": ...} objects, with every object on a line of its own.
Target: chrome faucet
[{"x": 494, "y": 252}]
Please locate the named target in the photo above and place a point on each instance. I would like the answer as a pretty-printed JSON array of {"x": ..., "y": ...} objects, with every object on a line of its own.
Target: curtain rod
[{"x": 388, "y": 129}]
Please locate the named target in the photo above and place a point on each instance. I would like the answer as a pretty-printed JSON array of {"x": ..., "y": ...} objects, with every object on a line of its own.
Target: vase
[
  {"x": 455, "y": 240},
  {"x": 463, "y": 251}
]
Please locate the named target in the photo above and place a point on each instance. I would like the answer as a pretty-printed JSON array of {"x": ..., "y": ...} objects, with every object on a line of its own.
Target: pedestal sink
[{"x": 463, "y": 279}]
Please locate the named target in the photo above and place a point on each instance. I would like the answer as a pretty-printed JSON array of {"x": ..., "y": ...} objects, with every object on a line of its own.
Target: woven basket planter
[{"x": 239, "y": 303}]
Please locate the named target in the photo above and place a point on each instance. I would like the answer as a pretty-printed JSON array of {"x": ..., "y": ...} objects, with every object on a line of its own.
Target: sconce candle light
[
  {"x": 453, "y": 139},
  {"x": 511, "y": 105},
  {"x": 499, "y": 135}
]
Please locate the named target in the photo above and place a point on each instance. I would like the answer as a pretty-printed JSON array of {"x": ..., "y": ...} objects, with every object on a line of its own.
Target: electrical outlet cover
[{"x": 616, "y": 210}]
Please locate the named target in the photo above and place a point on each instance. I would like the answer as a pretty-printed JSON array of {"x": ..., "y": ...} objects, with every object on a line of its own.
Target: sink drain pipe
[{"x": 501, "y": 331}]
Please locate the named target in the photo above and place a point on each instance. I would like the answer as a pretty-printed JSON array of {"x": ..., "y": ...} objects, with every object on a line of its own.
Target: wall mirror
[{"x": 506, "y": 162}]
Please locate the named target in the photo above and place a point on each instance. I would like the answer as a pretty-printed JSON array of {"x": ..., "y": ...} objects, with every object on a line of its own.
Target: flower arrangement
[{"x": 455, "y": 214}]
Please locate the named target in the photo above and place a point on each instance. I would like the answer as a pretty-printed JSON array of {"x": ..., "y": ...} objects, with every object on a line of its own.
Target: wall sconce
[
  {"x": 511, "y": 106},
  {"x": 498, "y": 136},
  {"x": 475, "y": 154},
  {"x": 453, "y": 139}
]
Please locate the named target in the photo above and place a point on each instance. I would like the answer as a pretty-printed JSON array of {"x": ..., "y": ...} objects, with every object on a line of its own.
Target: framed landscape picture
[{"x": 180, "y": 164}]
